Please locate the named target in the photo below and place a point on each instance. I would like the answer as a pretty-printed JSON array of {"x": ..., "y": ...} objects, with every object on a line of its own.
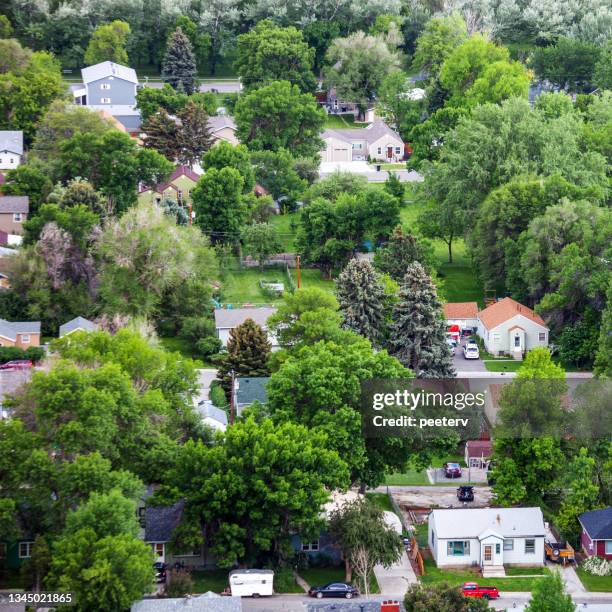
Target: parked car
[
  {"x": 17, "y": 364},
  {"x": 465, "y": 494},
  {"x": 452, "y": 470},
  {"x": 470, "y": 350},
  {"x": 334, "y": 589},
  {"x": 473, "y": 589},
  {"x": 160, "y": 571}
]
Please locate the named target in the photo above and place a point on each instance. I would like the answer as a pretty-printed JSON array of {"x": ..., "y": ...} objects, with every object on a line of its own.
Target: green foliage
[
  {"x": 275, "y": 171},
  {"x": 395, "y": 187},
  {"x": 602, "y": 71},
  {"x": 261, "y": 241},
  {"x": 179, "y": 583},
  {"x": 6, "y": 29},
  {"x": 336, "y": 184},
  {"x": 200, "y": 41},
  {"x": 11, "y": 353},
  {"x": 77, "y": 220},
  {"x": 28, "y": 179},
  {"x": 224, "y": 154},
  {"x": 442, "y": 597},
  {"x": 549, "y": 595},
  {"x": 603, "y": 360},
  {"x": 151, "y": 100},
  {"x": 499, "y": 81},
  {"x": 37, "y": 566},
  {"x": 179, "y": 64},
  {"x": 269, "y": 53},
  {"x": 107, "y": 43},
  {"x": 279, "y": 116}
]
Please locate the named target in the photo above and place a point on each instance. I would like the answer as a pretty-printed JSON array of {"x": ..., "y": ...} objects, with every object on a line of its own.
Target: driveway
[
  {"x": 221, "y": 86},
  {"x": 364, "y": 169},
  {"x": 394, "y": 581},
  {"x": 436, "y": 497},
  {"x": 205, "y": 378},
  {"x": 466, "y": 365}
]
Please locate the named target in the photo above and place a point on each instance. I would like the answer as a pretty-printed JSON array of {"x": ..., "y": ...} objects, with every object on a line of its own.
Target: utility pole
[
  {"x": 190, "y": 213},
  {"x": 299, "y": 278},
  {"x": 232, "y": 402}
]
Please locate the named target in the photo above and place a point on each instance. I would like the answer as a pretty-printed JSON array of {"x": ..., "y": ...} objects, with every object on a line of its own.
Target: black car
[
  {"x": 465, "y": 494},
  {"x": 160, "y": 572},
  {"x": 334, "y": 589}
]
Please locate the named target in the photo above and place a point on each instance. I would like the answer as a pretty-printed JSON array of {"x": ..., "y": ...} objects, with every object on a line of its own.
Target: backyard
[
  {"x": 342, "y": 121},
  {"x": 414, "y": 477}
]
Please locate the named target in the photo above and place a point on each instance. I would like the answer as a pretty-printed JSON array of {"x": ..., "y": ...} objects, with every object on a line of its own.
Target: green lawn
[
  {"x": 500, "y": 365},
  {"x": 179, "y": 345},
  {"x": 320, "y": 576},
  {"x": 381, "y": 500},
  {"x": 419, "y": 477},
  {"x": 457, "y": 577},
  {"x": 342, "y": 121},
  {"x": 286, "y": 233},
  {"x": 209, "y": 580},
  {"x": 600, "y": 584},
  {"x": 526, "y": 571},
  {"x": 421, "y": 535}
]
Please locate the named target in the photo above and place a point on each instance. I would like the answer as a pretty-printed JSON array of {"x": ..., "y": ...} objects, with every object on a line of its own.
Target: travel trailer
[{"x": 251, "y": 582}]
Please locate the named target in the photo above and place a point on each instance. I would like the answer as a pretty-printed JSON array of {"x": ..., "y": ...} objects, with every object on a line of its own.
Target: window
[
  {"x": 105, "y": 100},
  {"x": 542, "y": 336},
  {"x": 508, "y": 544},
  {"x": 357, "y": 145},
  {"x": 497, "y": 549},
  {"x": 158, "y": 549},
  {"x": 530, "y": 547},
  {"x": 398, "y": 150},
  {"x": 2, "y": 550},
  {"x": 17, "y": 217},
  {"x": 25, "y": 338},
  {"x": 517, "y": 341},
  {"x": 180, "y": 196},
  {"x": 495, "y": 338},
  {"x": 25, "y": 550},
  {"x": 608, "y": 547},
  {"x": 458, "y": 549},
  {"x": 104, "y": 85},
  {"x": 12, "y": 161},
  {"x": 310, "y": 546},
  {"x": 379, "y": 150}
]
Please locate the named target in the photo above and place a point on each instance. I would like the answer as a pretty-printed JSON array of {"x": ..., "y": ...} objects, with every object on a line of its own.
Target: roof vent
[{"x": 498, "y": 519}]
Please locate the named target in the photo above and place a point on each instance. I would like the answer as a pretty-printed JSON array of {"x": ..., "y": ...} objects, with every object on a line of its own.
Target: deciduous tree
[
  {"x": 549, "y": 594},
  {"x": 224, "y": 155},
  {"x": 107, "y": 43},
  {"x": 261, "y": 241}
]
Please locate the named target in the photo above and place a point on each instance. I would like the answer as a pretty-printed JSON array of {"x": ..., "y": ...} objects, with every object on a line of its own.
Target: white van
[{"x": 251, "y": 582}]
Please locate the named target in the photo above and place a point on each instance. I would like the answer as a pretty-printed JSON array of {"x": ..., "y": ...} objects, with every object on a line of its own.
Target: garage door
[{"x": 340, "y": 154}]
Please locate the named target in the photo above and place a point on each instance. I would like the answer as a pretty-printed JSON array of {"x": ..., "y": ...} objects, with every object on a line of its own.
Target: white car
[{"x": 470, "y": 351}]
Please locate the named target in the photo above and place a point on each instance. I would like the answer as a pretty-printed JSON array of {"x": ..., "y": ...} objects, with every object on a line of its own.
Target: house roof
[
  {"x": 77, "y": 323},
  {"x": 478, "y": 448},
  {"x": 461, "y": 310},
  {"x": 208, "y": 602},
  {"x": 10, "y": 329},
  {"x": 14, "y": 204},
  {"x": 228, "y": 318},
  {"x": 370, "y": 134},
  {"x": 597, "y": 523},
  {"x": 473, "y": 522},
  {"x": 161, "y": 521},
  {"x": 11, "y": 140},
  {"x": 219, "y": 122},
  {"x": 178, "y": 172},
  {"x": 108, "y": 69},
  {"x": 506, "y": 309},
  {"x": 208, "y": 410},
  {"x": 251, "y": 390}
]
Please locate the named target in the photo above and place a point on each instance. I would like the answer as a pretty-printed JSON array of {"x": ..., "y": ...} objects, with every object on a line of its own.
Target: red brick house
[{"x": 596, "y": 536}]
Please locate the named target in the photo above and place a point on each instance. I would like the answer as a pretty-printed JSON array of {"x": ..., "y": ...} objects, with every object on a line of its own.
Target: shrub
[
  {"x": 597, "y": 566},
  {"x": 178, "y": 584},
  {"x": 284, "y": 582},
  {"x": 11, "y": 353}
]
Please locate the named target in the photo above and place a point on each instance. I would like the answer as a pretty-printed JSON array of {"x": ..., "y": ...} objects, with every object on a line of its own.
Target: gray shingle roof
[
  {"x": 10, "y": 329},
  {"x": 209, "y": 602},
  {"x": 107, "y": 69},
  {"x": 161, "y": 521},
  {"x": 598, "y": 523},
  {"x": 206, "y": 409},
  {"x": 228, "y": 318},
  {"x": 251, "y": 389},
  {"x": 77, "y": 323},
  {"x": 14, "y": 204},
  {"x": 370, "y": 134},
  {"x": 219, "y": 122},
  {"x": 11, "y": 140}
]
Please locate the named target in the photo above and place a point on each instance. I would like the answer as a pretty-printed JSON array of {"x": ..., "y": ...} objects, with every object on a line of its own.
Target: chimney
[{"x": 498, "y": 518}]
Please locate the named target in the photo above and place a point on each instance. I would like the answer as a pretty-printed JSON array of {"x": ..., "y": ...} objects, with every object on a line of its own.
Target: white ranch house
[
  {"x": 487, "y": 537},
  {"x": 377, "y": 141},
  {"x": 508, "y": 327}
]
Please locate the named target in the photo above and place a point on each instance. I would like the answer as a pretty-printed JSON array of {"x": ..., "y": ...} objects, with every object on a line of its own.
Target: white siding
[
  {"x": 497, "y": 339},
  {"x": 224, "y": 334},
  {"x": 336, "y": 150},
  {"x": 8, "y": 160}
]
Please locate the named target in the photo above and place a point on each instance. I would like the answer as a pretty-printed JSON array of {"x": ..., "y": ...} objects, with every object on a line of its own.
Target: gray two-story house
[{"x": 110, "y": 88}]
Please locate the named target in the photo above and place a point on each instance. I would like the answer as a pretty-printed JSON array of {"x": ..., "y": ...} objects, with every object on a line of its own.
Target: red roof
[
  {"x": 460, "y": 310},
  {"x": 478, "y": 448},
  {"x": 178, "y": 172},
  {"x": 506, "y": 309}
]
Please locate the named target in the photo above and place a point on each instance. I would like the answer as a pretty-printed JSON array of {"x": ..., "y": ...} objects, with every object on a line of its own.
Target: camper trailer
[{"x": 251, "y": 582}]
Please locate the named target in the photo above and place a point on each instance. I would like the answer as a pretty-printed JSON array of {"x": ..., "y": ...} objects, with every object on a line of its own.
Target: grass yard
[
  {"x": 419, "y": 477},
  {"x": 241, "y": 286},
  {"x": 286, "y": 233},
  {"x": 342, "y": 121},
  {"x": 434, "y": 574},
  {"x": 503, "y": 365},
  {"x": 209, "y": 580},
  {"x": 599, "y": 584},
  {"x": 179, "y": 345},
  {"x": 421, "y": 535},
  {"x": 312, "y": 277},
  {"x": 381, "y": 500},
  {"x": 320, "y": 576}
]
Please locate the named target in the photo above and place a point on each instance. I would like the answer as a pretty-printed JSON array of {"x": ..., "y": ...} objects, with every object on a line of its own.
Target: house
[
  {"x": 77, "y": 324},
  {"x": 376, "y": 141},
  {"x": 248, "y": 390},
  {"x": 11, "y": 149},
  {"x": 13, "y": 212},
  {"x": 462, "y": 314},
  {"x": 5, "y": 282},
  {"x": 223, "y": 127},
  {"x": 208, "y": 602},
  {"x": 110, "y": 87},
  {"x": 15, "y": 553},
  {"x": 596, "y": 535},
  {"x": 511, "y": 328},
  {"x": 486, "y": 537},
  {"x": 228, "y": 318},
  {"x": 20, "y": 334},
  {"x": 477, "y": 453},
  {"x": 178, "y": 187},
  {"x": 212, "y": 416}
]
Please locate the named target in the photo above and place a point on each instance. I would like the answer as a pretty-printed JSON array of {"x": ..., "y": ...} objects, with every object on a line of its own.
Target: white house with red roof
[
  {"x": 463, "y": 314},
  {"x": 508, "y": 327}
]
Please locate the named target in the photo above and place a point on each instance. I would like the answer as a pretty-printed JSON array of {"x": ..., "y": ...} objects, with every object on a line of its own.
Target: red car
[
  {"x": 18, "y": 364},
  {"x": 452, "y": 470},
  {"x": 473, "y": 589}
]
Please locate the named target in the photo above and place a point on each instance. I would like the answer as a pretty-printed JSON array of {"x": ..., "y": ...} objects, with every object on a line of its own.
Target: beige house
[
  {"x": 20, "y": 334},
  {"x": 508, "y": 327},
  {"x": 178, "y": 187},
  {"x": 13, "y": 212},
  {"x": 376, "y": 141},
  {"x": 222, "y": 127}
]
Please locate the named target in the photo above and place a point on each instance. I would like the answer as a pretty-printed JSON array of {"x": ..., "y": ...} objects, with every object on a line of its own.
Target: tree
[
  {"x": 275, "y": 171},
  {"x": 361, "y": 299},
  {"x": 150, "y": 100},
  {"x": 603, "y": 360},
  {"x": 248, "y": 349},
  {"x": 219, "y": 205},
  {"x": 443, "y": 221},
  {"x": 418, "y": 332},
  {"x": 442, "y": 597},
  {"x": 438, "y": 40},
  {"x": 602, "y": 71},
  {"x": 15, "y": 58},
  {"x": 107, "y": 43},
  {"x": 549, "y": 595},
  {"x": 37, "y": 566},
  {"x": 402, "y": 249},
  {"x": 28, "y": 179},
  {"x": 269, "y": 53},
  {"x": 261, "y": 241},
  {"x": 395, "y": 187},
  {"x": 162, "y": 134},
  {"x": 6, "y": 29},
  {"x": 357, "y": 66},
  {"x": 200, "y": 41},
  {"x": 284, "y": 471},
  {"x": 336, "y": 184},
  {"x": 224, "y": 154},
  {"x": 499, "y": 81},
  {"x": 279, "y": 116},
  {"x": 365, "y": 539},
  {"x": 179, "y": 65}
]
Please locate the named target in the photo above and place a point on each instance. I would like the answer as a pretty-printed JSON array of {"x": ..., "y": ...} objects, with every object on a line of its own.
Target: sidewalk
[{"x": 394, "y": 581}]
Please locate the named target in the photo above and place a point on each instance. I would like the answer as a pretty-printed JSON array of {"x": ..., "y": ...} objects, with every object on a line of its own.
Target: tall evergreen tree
[
  {"x": 162, "y": 134},
  {"x": 418, "y": 333},
  {"x": 248, "y": 349},
  {"x": 361, "y": 298},
  {"x": 179, "y": 64},
  {"x": 194, "y": 134}
]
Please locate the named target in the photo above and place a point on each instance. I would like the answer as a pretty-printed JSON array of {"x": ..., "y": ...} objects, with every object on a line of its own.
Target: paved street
[
  {"x": 218, "y": 86},
  {"x": 364, "y": 169},
  {"x": 435, "y": 497},
  {"x": 205, "y": 378}
]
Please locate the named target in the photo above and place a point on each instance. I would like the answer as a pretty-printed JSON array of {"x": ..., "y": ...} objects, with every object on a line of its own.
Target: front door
[
  {"x": 488, "y": 554},
  {"x": 389, "y": 152}
]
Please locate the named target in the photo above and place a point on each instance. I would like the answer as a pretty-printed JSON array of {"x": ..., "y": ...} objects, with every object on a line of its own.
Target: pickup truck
[{"x": 473, "y": 589}]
